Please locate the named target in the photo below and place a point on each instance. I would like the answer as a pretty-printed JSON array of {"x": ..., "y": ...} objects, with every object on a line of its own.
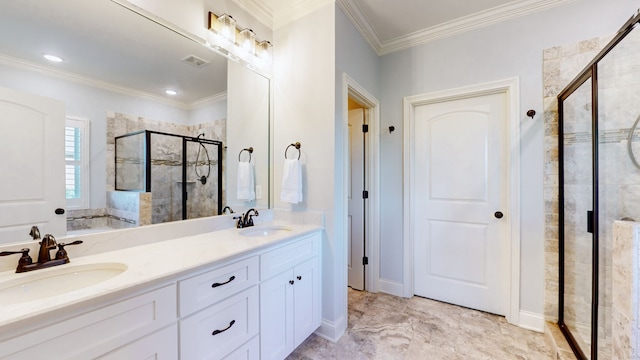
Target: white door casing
[
  {"x": 356, "y": 202},
  {"x": 32, "y": 177},
  {"x": 450, "y": 207},
  {"x": 351, "y": 89}
]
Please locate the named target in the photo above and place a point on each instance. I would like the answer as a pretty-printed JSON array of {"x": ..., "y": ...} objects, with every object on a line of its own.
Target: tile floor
[{"x": 386, "y": 327}]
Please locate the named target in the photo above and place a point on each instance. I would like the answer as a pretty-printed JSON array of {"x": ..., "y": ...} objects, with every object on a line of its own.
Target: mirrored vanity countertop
[{"x": 148, "y": 265}]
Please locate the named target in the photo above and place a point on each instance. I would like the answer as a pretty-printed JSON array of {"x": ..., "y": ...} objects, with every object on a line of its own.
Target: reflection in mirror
[{"x": 114, "y": 79}]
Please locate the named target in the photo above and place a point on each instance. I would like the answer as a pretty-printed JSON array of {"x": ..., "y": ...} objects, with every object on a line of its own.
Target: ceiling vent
[{"x": 195, "y": 61}]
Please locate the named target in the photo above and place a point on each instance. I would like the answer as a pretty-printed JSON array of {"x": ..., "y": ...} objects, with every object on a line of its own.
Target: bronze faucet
[
  {"x": 47, "y": 244},
  {"x": 44, "y": 257},
  {"x": 246, "y": 219}
]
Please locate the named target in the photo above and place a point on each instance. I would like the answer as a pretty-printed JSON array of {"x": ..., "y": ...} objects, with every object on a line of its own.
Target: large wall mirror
[{"x": 116, "y": 76}]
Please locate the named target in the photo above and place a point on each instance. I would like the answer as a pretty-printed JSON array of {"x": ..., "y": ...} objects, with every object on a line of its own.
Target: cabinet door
[
  {"x": 306, "y": 300},
  {"x": 162, "y": 345},
  {"x": 276, "y": 317}
]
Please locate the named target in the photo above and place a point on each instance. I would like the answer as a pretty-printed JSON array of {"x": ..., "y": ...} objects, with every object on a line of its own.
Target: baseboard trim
[
  {"x": 330, "y": 330},
  {"x": 531, "y": 321},
  {"x": 392, "y": 288}
]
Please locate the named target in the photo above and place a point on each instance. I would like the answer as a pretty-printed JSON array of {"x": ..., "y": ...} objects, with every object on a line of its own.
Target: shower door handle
[{"x": 590, "y": 221}]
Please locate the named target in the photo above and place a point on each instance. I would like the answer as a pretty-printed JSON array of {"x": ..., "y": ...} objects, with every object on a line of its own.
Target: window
[{"x": 76, "y": 150}]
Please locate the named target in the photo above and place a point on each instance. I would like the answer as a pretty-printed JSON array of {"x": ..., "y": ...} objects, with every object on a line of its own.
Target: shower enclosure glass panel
[
  {"x": 182, "y": 173},
  {"x": 203, "y": 174},
  {"x": 600, "y": 175},
  {"x": 166, "y": 178},
  {"x": 130, "y": 162},
  {"x": 618, "y": 177},
  {"x": 577, "y": 190}
]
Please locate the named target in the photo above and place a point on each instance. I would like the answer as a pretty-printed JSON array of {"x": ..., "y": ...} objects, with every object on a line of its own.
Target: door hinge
[
  {"x": 365, "y": 194},
  {"x": 365, "y": 128},
  {"x": 365, "y": 260}
]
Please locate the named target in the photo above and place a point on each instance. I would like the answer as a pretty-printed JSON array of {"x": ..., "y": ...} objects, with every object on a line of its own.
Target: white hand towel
[
  {"x": 246, "y": 182},
  {"x": 292, "y": 182}
]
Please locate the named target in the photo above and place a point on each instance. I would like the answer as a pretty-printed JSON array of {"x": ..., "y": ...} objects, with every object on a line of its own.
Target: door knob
[
  {"x": 498, "y": 214},
  {"x": 59, "y": 211}
]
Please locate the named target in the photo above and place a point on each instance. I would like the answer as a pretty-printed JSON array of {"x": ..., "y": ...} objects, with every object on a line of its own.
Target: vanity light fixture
[
  {"x": 262, "y": 51},
  {"x": 247, "y": 48},
  {"x": 227, "y": 27},
  {"x": 248, "y": 41},
  {"x": 53, "y": 58},
  {"x": 170, "y": 92}
]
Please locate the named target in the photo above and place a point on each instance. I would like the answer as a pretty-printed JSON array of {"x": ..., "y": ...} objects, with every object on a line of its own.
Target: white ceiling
[
  {"x": 392, "y": 25},
  {"x": 110, "y": 46}
]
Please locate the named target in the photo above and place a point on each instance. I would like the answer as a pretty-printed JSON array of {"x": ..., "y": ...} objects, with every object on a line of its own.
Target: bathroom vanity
[{"x": 251, "y": 293}]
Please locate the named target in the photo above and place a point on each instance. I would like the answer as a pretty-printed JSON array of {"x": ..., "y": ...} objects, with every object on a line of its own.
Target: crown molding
[
  {"x": 258, "y": 9},
  {"x": 362, "y": 24},
  {"x": 208, "y": 100},
  {"x": 84, "y": 80},
  {"x": 467, "y": 23},
  {"x": 297, "y": 10},
  {"x": 282, "y": 15}
]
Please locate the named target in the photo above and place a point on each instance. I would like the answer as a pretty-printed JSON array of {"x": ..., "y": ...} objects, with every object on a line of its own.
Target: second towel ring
[
  {"x": 250, "y": 150},
  {"x": 296, "y": 145}
]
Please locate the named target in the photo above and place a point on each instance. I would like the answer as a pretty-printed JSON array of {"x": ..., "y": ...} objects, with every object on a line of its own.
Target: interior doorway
[
  {"x": 357, "y": 195},
  {"x": 361, "y": 133}
]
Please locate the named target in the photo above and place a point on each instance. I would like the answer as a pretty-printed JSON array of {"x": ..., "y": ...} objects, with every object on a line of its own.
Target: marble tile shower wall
[
  {"x": 619, "y": 179},
  {"x": 167, "y": 165},
  {"x": 124, "y": 210}
]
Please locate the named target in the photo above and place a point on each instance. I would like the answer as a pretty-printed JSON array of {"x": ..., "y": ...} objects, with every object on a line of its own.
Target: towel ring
[
  {"x": 296, "y": 145},
  {"x": 250, "y": 150}
]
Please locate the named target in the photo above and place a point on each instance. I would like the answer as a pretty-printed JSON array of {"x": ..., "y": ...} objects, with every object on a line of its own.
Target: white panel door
[
  {"x": 460, "y": 184},
  {"x": 356, "y": 202},
  {"x": 32, "y": 176}
]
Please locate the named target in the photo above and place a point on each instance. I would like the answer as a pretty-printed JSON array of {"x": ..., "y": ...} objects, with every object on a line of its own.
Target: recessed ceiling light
[
  {"x": 53, "y": 58},
  {"x": 170, "y": 92}
]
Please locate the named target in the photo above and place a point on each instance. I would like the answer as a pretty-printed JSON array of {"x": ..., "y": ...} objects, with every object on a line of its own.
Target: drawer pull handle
[
  {"x": 291, "y": 282},
  {"x": 224, "y": 283},
  {"x": 216, "y": 332},
  {"x": 299, "y": 277}
]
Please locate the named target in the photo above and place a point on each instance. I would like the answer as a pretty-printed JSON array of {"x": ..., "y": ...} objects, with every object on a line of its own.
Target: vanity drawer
[
  {"x": 248, "y": 351},
  {"x": 212, "y": 286},
  {"x": 222, "y": 328},
  {"x": 274, "y": 262}
]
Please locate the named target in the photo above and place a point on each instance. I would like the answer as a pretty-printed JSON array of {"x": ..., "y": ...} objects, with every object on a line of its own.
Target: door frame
[
  {"x": 350, "y": 88},
  {"x": 511, "y": 245}
]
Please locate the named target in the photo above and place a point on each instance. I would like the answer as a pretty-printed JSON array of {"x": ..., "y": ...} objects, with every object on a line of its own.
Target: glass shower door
[{"x": 577, "y": 204}]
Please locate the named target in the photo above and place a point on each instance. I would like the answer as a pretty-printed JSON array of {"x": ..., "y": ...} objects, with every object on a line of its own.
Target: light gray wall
[
  {"x": 304, "y": 111},
  {"x": 508, "y": 49},
  {"x": 354, "y": 57}
]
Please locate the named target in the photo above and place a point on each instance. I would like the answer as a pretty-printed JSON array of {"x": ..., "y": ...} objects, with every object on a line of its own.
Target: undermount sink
[
  {"x": 60, "y": 280},
  {"x": 265, "y": 230}
]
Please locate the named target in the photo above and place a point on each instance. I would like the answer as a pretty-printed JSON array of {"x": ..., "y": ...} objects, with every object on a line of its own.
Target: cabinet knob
[
  {"x": 299, "y": 277},
  {"x": 291, "y": 282}
]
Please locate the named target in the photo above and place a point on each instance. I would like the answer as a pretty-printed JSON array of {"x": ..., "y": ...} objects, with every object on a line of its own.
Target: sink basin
[
  {"x": 265, "y": 230},
  {"x": 51, "y": 282}
]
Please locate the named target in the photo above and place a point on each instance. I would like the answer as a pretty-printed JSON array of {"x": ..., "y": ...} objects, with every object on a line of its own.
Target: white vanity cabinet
[
  {"x": 290, "y": 299},
  {"x": 95, "y": 334},
  {"x": 258, "y": 304}
]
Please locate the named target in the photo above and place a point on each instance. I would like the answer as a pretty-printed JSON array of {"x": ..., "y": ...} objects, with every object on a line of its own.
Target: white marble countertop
[{"x": 147, "y": 265}]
